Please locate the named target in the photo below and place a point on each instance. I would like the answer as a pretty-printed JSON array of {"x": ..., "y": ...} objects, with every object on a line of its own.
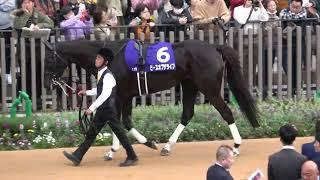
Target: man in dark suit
[
  {"x": 105, "y": 106},
  {"x": 286, "y": 164},
  {"x": 316, "y": 145},
  {"x": 308, "y": 149},
  {"x": 220, "y": 170}
]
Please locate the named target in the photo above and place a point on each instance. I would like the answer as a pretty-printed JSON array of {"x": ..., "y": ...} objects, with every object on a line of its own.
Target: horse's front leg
[
  {"x": 189, "y": 97},
  {"x": 127, "y": 122},
  {"x": 115, "y": 141}
]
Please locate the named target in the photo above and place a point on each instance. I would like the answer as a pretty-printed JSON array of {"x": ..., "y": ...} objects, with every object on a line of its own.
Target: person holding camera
[
  {"x": 178, "y": 17},
  {"x": 143, "y": 21},
  {"x": 209, "y": 10},
  {"x": 75, "y": 28},
  {"x": 252, "y": 10},
  {"x": 249, "y": 16},
  {"x": 6, "y": 8}
]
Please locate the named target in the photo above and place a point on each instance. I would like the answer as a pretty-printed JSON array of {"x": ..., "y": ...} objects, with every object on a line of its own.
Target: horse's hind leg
[
  {"x": 127, "y": 122},
  {"x": 115, "y": 141},
  {"x": 189, "y": 97},
  {"x": 226, "y": 114}
]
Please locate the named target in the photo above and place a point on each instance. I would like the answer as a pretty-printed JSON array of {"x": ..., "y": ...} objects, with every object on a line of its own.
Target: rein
[
  {"x": 60, "y": 83},
  {"x": 84, "y": 120}
]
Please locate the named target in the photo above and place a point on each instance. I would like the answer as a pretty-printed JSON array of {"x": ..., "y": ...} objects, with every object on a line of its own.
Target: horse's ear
[{"x": 48, "y": 45}]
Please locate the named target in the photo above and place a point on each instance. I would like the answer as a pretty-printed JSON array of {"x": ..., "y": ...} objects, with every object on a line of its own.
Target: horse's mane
[{"x": 87, "y": 48}]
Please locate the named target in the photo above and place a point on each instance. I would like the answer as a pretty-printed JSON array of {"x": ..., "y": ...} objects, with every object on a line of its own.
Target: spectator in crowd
[
  {"x": 192, "y": 7},
  {"x": 178, "y": 17},
  {"x": 90, "y": 6},
  {"x": 286, "y": 164},
  {"x": 151, "y": 4},
  {"x": 116, "y": 5},
  {"x": 165, "y": 6},
  {"x": 29, "y": 17},
  {"x": 143, "y": 22},
  {"x": 274, "y": 20},
  {"x": 46, "y": 7},
  {"x": 316, "y": 158},
  {"x": 294, "y": 16},
  {"x": 75, "y": 28},
  {"x": 6, "y": 8},
  {"x": 309, "y": 171},
  {"x": 129, "y": 13},
  {"x": 154, "y": 7},
  {"x": 103, "y": 20},
  {"x": 78, "y": 8},
  {"x": 220, "y": 170},
  {"x": 250, "y": 12},
  {"x": 312, "y": 6},
  {"x": 234, "y": 4},
  {"x": 309, "y": 149},
  {"x": 272, "y": 24},
  {"x": 243, "y": 15},
  {"x": 209, "y": 10}
]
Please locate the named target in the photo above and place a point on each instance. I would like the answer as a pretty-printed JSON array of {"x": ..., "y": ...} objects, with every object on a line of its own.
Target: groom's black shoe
[
  {"x": 74, "y": 159},
  {"x": 129, "y": 162}
]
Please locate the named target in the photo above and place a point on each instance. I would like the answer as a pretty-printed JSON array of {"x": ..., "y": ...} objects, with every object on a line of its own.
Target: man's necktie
[{"x": 98, "y": 77}]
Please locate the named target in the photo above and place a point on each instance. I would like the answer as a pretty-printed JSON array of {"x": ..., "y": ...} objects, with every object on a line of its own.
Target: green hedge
[{"x": 158, "y": 123}]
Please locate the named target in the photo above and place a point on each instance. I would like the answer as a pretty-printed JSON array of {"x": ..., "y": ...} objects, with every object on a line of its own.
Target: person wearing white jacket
[
  {"x": 6, "y": 7},
  {"x": 242, "y": 13}
]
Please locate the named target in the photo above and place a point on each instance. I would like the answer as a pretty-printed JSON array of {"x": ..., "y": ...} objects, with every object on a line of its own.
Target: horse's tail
[{"x": 238, "y": 85}]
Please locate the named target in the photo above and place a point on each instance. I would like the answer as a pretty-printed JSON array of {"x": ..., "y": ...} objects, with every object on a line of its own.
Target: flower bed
[{"x": 52, "y": 130}]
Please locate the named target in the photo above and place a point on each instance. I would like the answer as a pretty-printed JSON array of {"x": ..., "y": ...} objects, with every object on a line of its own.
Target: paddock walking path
[{"x": 189, "y": 161}]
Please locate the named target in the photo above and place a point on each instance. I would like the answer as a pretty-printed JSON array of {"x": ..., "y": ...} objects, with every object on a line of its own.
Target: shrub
[{"x": 52, "y": 130}]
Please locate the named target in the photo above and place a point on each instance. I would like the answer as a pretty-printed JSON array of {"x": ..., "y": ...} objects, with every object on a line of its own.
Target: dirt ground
[{"x": 188, "y": 161}]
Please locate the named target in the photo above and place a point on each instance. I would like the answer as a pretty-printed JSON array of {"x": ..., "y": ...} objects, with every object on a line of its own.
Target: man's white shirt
[{"x": 108, "y": 83}]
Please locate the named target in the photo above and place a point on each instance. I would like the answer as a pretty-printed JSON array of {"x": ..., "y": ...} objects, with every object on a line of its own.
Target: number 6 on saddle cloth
[{"x": 144, "y": 59}]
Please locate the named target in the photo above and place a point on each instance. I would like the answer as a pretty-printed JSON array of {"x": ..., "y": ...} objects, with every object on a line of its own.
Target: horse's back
[{"x": 198, "y": 52}]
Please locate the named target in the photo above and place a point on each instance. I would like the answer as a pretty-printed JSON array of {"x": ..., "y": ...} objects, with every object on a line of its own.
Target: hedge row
[{"x": 50, "y": 130}]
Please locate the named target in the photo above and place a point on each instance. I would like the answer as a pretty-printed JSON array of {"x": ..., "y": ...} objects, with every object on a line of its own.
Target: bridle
[
  {"x": 55, "y": 79},
  {"x": 57, "y": 57}
]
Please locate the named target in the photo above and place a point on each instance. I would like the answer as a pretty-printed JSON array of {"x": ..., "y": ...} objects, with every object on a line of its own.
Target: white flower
[
  {"x": 66, "y": 123},
  {"x": 106, "y": 135}
]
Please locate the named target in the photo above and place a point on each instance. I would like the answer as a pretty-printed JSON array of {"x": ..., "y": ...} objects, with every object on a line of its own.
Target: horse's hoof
[
  {"x": 236, "y": 151},
  {"x": 108, "y": 157},
  {"x": 151, "y": 144},
  {"x": 164, "y": 152}
]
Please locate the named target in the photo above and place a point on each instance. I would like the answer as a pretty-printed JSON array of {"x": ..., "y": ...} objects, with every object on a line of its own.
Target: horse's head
[{"x": 54, "y": 65}]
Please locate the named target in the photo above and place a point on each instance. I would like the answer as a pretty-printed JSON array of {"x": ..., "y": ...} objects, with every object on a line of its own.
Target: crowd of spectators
[{"x": 157, "y": 12}]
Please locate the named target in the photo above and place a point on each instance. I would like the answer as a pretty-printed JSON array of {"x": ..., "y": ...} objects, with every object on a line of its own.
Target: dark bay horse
[{"x": 199, "y": 67}]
